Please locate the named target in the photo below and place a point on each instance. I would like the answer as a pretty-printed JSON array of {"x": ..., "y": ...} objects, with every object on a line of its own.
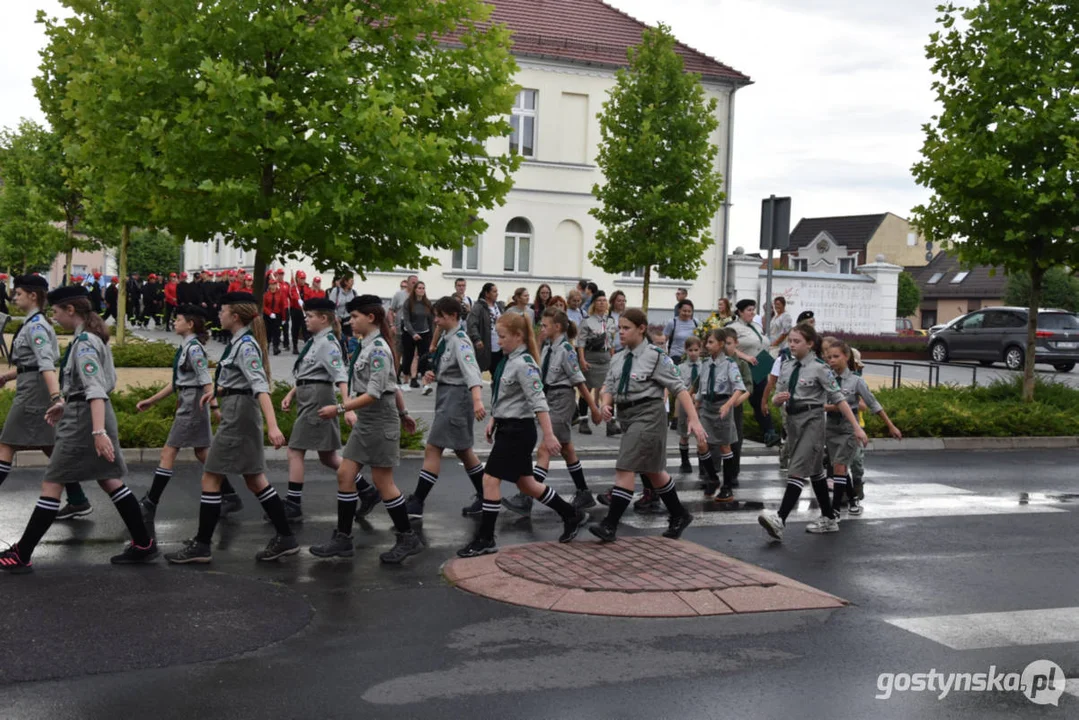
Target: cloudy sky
[{"x": 833, "y": 119}]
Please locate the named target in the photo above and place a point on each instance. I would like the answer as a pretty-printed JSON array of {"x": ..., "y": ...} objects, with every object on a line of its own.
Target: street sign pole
[
  {"x": 770, "y": 216},
  {"x": 775, "y": 235}
]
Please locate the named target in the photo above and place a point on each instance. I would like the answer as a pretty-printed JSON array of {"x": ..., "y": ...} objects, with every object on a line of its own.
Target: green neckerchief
[
  {"x": 306, "y": 347},
  {"x": 496, "y": 379},
  {"x": 792, "y": 384},
  {"x": 627, "y": 367},
  {"x": 176, "y": 365},
  {"x": 750, "y": 326},
  {"x": 224, "y": 356},
  {"x": 712, "y": 382},
  {"x": 546, "y": 365},
  {"x": 25, "y": 323},
  {"x": 694, "y": 373},
  {"x": 352, "y": 363},
  {"x": 439, "y": 352}
]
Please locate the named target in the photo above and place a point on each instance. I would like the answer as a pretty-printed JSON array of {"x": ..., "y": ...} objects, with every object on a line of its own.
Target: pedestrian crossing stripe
[{"x": 979, "y": 631}]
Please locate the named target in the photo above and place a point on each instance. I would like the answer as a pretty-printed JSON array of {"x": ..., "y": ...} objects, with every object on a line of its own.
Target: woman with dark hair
[
  {"x": 753, "y": 348},
  {"x": 416, "y": 323},
  {"x": 481, "y": 327},
  {"x": 87, "y": 445},
  {"x": 618, "y": 306},
  {"x": 543, "y": 295},
  {"x": 595, "y": 339}
]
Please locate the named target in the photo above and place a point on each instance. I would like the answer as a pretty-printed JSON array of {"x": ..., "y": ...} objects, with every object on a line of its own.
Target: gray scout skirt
[
  {"x": 721, "y": 431},
  {"x": 599, "y": 361},
  {"x": 376, "y": 437},
  {"x": 643, "y": 447},
  {"x": 191, "y": 428},
  {"x": 454, "y": 420},
  {"x": 25, "y": 426},
  {"x": 562, "y": 405},
  {"x": 805, "y": 435},
  {"x": 74, "y": 458},
  {"x": 840, "y": 441},
  {"x": 238, "y": 448},
  {"x": 310, "y": 432}
]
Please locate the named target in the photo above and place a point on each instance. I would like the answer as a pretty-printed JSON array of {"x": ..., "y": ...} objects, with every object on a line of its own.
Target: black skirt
[{"x": 511, "y": 456}]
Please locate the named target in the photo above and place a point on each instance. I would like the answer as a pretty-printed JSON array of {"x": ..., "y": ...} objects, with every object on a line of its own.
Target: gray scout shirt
[
  {"x": 372, "y": 370},
  {"x": 455, "y": 361},
  {"x": 816, "y": 383},
  {"x": 594, "y": 333},
  {"x": 650, "y": 372},
  {"x": 87, "y": 367},
  {"x": 691, "y": 372},
  {"x": 853, "y": 387},
  {"x": 321, "y": 359},
  {"x": 558, "y": 364},
  {"x": 35, "y": 344},
  {"x": 240, "y": 367},
  {"x": 190, "y": 368},
  {"x": 518, "y": 390},
  {"x": 726, "y": 380}
]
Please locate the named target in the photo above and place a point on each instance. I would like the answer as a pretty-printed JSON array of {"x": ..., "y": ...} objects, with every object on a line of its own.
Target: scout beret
[
  {"x": 237, "y": 298},
  {"x": 805, "y": 315},
  {"x": 744, "y": 303},
  {"x": 193, "y": 311},
  {"x": 320, "y": 304},
  {"x": 363, "y": 301},
  {"x": 69, "y": 292},
  {"x": 31, "y": 281}
]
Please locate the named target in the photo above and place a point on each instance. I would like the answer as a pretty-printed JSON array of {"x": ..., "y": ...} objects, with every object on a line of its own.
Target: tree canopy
[
  {"x": 1059, "y": 289},
  {"x": 29, "y": 236},
  {"x": 153, "y": 251},
  {"x": 910, "y": 297}
]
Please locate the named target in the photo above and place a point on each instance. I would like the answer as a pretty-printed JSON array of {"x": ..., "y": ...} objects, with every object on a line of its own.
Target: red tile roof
[{"x": 590, "y": 32}]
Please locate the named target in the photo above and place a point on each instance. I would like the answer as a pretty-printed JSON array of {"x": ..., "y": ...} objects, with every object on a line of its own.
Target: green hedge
[
  {"x": 151, "y": 428},
  {"x": 15, "y": 323},
  {"x": 996, "y": 410},
  {"x": 137, "y": 353}
]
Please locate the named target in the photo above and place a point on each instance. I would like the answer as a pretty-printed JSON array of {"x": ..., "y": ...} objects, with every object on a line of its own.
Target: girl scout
[
  {"x": 86, "y": 447},
  {"x": 560, "y": 374},
  {"x": 34, "y": 353},
  {"x": 690, "y": 368},
  {"x": 841, "y": 443},
  {"x": 242, "y": 385},
  {"x": 376, "y": 434},
  {"x": 459, "y": 399},
  {"x": 594, "y": 340},
  {"x": 719, "y": 391},
  {"x": 638, "y": 376},
  {"x": 317, "y": 370},
  {"x": 806, "y": 386},
  {"x": 517, "y": 404},
  {"x": 194, "y": 390}
]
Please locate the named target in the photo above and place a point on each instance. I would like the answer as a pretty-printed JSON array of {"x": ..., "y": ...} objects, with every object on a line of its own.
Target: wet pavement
[{"x": 962, "y": 561}]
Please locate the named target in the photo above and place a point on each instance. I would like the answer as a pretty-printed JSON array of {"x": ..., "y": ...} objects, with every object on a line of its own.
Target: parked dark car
[{"x": 999, "y": 334}]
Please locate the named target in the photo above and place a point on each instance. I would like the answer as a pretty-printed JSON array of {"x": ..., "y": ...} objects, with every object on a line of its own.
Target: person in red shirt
[
  {"x": 170, "y": 300},
  {"x": 301, "y": 293},
  {"x": 284, "y": 288},
  {"x": 236, "y": 281},
  {"x": 274, "y": 309},
  {"x": 316, "y": 288}
]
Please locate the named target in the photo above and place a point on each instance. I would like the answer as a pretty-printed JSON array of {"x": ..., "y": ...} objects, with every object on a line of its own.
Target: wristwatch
[
  {"x": 341, "y": 409},
  {"x": 402, "y": 414}
]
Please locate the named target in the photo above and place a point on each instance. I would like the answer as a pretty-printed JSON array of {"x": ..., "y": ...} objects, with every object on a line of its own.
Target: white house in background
[{"x": 568, "y": 51}]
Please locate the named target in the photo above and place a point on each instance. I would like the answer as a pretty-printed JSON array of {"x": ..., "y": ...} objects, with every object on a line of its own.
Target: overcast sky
[{"x": 833, "y": 119}]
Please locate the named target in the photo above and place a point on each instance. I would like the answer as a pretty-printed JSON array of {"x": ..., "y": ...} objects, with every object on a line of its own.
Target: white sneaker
[
  {"x": 404, "y": 388},
  {"x": 855, "y": 508},
  {"x": 823, "y": 525},
  {"x": 428, "y": 389},
  {"x": 772, "y": 524}
]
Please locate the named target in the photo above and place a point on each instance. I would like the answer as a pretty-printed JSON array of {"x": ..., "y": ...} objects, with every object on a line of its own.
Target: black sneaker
[
  {"x": 685, "y": 468},
  {"x": 584, "y": 429},
  {"x": 734, "y": 482},
  {"x": 70, "y": 512},
  {"x": 193, "y": 551},
  {"x": 134, "y": 555},
  {"x": 293, "y": 511},
  {"x": 414, "y": 383},
  {"x": 604, "y": 499},
  {"x": 10, "y": 562},
  {"x": 613, "y": 429},
  {"x": 478, "y": 547},
  {"x": 710, "y": 487},
  {"x": 726, "y": 494},
  {"x": 408, "y": 543},
  {"x": 772, "y": 439},
  {"x": 149, "y": 510},
  {"x": 340, "y": 545},
  {"x": 231, "y": 503},
  {"x": 604, "y": 532},
  {"x": 474, "y": 510},
  {"x": 414, "y": 507},
  {"x": 582, "y": 500},
  {"x": 279, "y": 547},
  {"x": 519, "y": 503},
  {"x": 571, "y": 527},
  {"x": 677, "y": 525},
  {"x": 369, "y": 498}
]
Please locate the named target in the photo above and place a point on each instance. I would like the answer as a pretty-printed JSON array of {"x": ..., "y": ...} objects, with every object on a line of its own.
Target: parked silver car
[{"x": 999, "y": 334}]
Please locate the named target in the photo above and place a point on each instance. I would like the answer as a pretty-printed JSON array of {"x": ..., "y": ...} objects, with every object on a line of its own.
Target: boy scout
[{"x": 720, "y": 390}]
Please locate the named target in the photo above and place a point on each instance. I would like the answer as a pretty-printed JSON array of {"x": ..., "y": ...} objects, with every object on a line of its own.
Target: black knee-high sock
[
  {"x": 709, "y": 466},
  {"x": 161, "y": 480},
  {"x": 669, "y": 496},
  {"x": 40, "y": 520},
  {"x": 646, "y": 482},
  {"x": 346, "y": 509},
  {"x": 128, "y": 507},
  {"x": 5, "y": 468},
  {"x": 620, "y": 500},
  {"x": 540, "y": 473},
  {"x": 491, "y": 508},
  {"x": 75, "y": 494},
  {"x": 552, "y": 500},
  {"x": 295, "y": 493},
  {"x": 790, "y": 497},
  {"x": 424, "y": 484},
  {"x": 683, "y": 450},
  {"x": 576, "y": 472},
  {"x": 728, "y": 470},
  {"x": 209, "y": 514},
  {"x": 839, "y": 490},
  {"x": 275, "y": 510},
  {"x": 398, "y": 513},
  {"x": 226, "y": 487},
  {"x": 820, "y": 489},
  {"x": 362, "y": 485},
  {"x": 475, "y": 476},
  {"x": 852, "y": 490}
]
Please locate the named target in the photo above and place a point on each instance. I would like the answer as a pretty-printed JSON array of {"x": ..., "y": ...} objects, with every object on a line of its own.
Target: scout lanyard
[{"x": 27, "y": 322}]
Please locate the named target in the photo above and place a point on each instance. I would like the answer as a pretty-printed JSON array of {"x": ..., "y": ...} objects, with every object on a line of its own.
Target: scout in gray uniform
[
  {"x": 806, "y": 386},
  {"x": 194, "y": 390},
  {"x": 719, "y": 390},
  {"x": 34, "y": 353},
  {"x": 319, "y": 367},
  {"x": 639, "y": 374},
  {"x": 242, "y": 384},
  {"x": 841, "y": 443},
  {"x": 690, "y": 368},
  {"x": 86, "y": 447},
  {"x": 730, "y": 347},
  {"x": 517, "y": 404},
  {"x": 375, "y": 439},
  {"x": 595, "y": 338},
  {"x": 459, "y": 400},
  {"x": 560, "y": 373}
]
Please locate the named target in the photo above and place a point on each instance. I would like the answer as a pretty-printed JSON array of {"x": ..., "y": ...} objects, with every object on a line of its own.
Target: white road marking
[{"x": 1001, "y": 629}]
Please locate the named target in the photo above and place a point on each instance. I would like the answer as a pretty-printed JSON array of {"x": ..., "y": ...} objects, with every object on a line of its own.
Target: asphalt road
[
  {"x": 946, "y": 537},
  {"x": 965, "y": 373}
]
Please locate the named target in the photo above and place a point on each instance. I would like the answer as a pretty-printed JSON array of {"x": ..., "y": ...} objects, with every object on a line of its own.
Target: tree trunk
[
  {"x": 647, "y": 282},
  {"x": 1037, "y": 273},
  {"x": 68, "y": 231},
  {"x": 121, "y": 290},
  {"x": 260, "y": 275}
]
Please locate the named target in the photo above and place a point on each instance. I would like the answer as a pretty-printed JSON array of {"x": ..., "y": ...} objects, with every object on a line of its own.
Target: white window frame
[
  {"x": 517, "y": 237},
  {"x": 638, "y": 274},
  {"x": 800, "y": 264},
  {"x": 459, "y": 257},
  {"x": 852, "y": 262},
  {"x": 521, "y": 112}
]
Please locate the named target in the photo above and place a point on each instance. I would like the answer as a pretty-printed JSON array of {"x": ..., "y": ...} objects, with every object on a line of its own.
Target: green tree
[
  {"x": 153, "y": 251},
  {"x": 910, "y": 297},
  {"x": 1059, "y": 290},
  {"x": 1002, "y": 158},
  {"x": 28, "y": 236},
  {"x": 661, "y": 189}
]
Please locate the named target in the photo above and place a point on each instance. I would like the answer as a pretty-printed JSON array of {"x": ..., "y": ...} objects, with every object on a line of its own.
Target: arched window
[{"x": 518, "y": 257}]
